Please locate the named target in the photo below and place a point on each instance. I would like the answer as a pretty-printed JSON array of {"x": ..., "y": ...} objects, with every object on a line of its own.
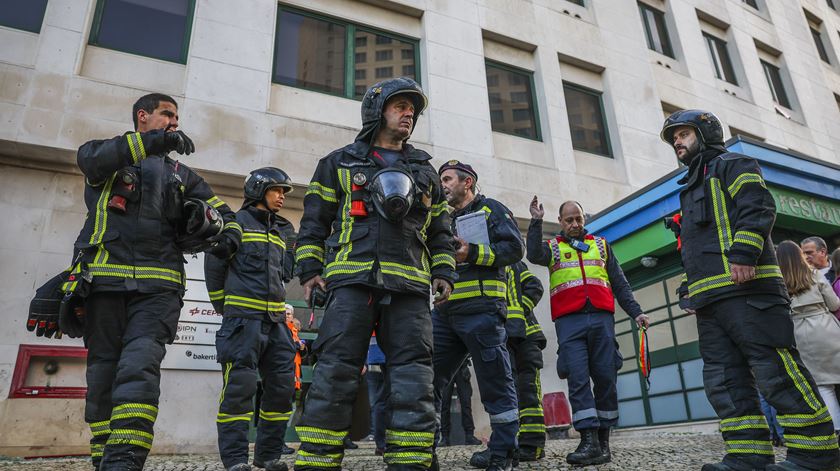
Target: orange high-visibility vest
[
  {"x": 296, "y": 339},
  {"x": 577, "y": 276}
]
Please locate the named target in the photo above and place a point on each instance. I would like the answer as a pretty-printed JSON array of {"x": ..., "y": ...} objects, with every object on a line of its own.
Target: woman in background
[{"x": 816, "y": 329}]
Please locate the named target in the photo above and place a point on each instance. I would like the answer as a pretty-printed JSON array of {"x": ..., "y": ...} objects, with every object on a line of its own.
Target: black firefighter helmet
[
  {"x": 374, "y": 102},
  {"x": 199, "y": 227},
  {"x": 706, "y": 124},
  {"x": 261, "y": 180}
]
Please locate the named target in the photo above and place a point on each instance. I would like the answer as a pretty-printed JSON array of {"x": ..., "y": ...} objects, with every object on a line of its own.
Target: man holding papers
[{"x": 472, "y": 320}]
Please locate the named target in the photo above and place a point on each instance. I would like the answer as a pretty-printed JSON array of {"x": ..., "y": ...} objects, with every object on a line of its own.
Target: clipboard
[{"x": 473, "y": 228}]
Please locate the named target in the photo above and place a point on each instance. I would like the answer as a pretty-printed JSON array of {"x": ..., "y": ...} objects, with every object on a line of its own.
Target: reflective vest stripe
[
  {"x": 324, "y": 192},
  {"x": 577, "y": 277},
  {"x": 476, "y": 288}
]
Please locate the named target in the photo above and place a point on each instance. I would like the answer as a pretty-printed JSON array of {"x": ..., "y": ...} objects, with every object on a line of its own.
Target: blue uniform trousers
[
  {"x": 587, "y": 349},
  {"x": 483, "y": 337}
]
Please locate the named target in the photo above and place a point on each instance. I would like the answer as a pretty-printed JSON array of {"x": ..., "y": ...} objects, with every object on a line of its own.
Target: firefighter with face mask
[
  {"x": 130, "y": 252},
  {"x": 375, "y": 234},
  {"x": 734, "y": 285},
  {"x": 253, "y": 341}
]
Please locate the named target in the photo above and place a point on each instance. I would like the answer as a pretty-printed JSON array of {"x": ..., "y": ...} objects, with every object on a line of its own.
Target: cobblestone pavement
[{"x": 660, "y": 452}]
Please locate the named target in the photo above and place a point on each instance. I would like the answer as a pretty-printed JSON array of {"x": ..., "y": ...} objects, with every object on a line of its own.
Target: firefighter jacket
[
  {"x": 251, "y": 284},
  {"x": 524, "y": 291},
  {"x": 368, "y": 249},
  {"x": 588, "y": 281},
  {"x": 136, "y": 249},
  {"x": 727, "y": 215},
  {"x": 482, "y": 283}
]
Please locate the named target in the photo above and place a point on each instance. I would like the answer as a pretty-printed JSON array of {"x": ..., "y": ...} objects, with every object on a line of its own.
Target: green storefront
[{"x": 807, "y": 195}]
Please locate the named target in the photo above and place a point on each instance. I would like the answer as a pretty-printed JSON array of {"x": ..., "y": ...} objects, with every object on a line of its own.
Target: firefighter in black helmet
[
  {"x": 375, "y": 234},
  {"x": 734, "y": 285},
  {"x": 129, "y": 250},
  {"x": 253, "y": 341}
]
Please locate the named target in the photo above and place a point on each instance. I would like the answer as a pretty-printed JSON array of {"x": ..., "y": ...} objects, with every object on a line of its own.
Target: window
[
  {"x": 831, "y": 4},
  {"x": 774, "y": 81},
  {"x": 586, "y": 120},
  {"x": 720, "y": 58},
  {"x": 26, "y": 15},
  {"x": 837, "y": 99},
  {"x": 656, "y": 32},
  {"x": 752, "y": 3},
  {"x": 311, "y": 52},
  {"x": 818, "y": 42},
  {"x": 512, "y": 104},
  {"x": 123, "y": 25},
  {"x": 577, "y": 2}
]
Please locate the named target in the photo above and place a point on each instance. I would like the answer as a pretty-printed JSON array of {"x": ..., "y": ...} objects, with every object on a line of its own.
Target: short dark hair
[
  {"x": 149, "y": 104},
  {"x": 560, "y": 211},
  {"x": 816, "y": 240}
]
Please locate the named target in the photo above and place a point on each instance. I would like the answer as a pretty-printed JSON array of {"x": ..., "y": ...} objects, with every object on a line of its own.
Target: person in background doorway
[{"x": 816, "y": 254}]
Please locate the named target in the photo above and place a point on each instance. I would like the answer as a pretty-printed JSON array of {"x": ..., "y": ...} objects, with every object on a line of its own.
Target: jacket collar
[
  {"x": 361, "y": 149},
  {"x": 696, "y": 169}
]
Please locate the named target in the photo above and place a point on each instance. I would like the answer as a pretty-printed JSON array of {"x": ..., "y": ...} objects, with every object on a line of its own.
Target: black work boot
[
  {"x": 480, "y": 459},
  {"x": 604, "y": 442},
  {"x": 240, "y": 467},
  {"x": 726, "y": 467},
  {"x": 786, "y": 466},
  {"x": 529, "y": 453},
  {"x": 470, "y": 439},
  {"x": 501, "y": 463},
  {"x": 275, "y": 465},
  {"x": 588, "y": 451}
]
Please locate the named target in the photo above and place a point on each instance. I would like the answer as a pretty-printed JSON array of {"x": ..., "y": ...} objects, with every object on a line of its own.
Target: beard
[{"x": 690, "y": 153}]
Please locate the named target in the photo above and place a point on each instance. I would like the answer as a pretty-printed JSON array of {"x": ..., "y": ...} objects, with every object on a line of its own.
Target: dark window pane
[
  {"x": 23, "y": 14},
  {"x": 577, "y": 2},
  {"x": 820, "y": 46},
  {"x": 751, "y": 3},
  {"x": 361, "y": 74},
  {"x": 361, "y": 41},
  {"x": 511, "y": 105},
  {"x": 361, "y": 57},
  {"x": 656, "y": 32},
  {"x": 301, "y": 53},
  {"x": 831, "y": 4},
  {"x": 391, "y": 56},
  {"x": 777, "y": 87},
  {"x": 586, "y": 120},
  {"x": 719, "y": 52},
  {"x": 125, "y": 26}
]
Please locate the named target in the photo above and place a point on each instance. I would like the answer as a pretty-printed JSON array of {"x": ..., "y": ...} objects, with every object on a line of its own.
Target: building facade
[{"x": 558, "y": 98}]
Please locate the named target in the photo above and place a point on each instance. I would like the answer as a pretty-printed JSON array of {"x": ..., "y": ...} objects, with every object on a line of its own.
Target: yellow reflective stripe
[
  {"x": 531, "y": 412},
  {"x": 275, "y": 416},
  {"x": 222, "y": 418},
  {"x": 531, "y": 428},
  {"x": 309, "y": 251},
  {"x": 97, "y": 450},
  {"x": 326, "y": 460},
  {"x": 486, "y": 256},
  {"x": 232, "y": 225},
  {"x": 408, "y": 457},
  {"x": 749, "y": 238},
  {"x": 725, "y": 279},
  {"x": 804, "y": 420},
  {"x": 346, "y": 267},
  {"x": 100, "y": 428},
  {"x": 475, "y": 288},
  {"x": 135, "y": 146},
  {"x": 215, "y": 201},
  {"x": 253, "y": 303},
  {"x": 250, "y": 236},
  {"x": 346, "y": 220},
  {"x": 439, "y": 209},
  {"x": 532, "y": 329},
  {"x": 568, "y": 266},
  {"x": 742, "y": 180},
  {"x": 217, "y": 295},
  {"x": 125, "y": 436},
  {"x": 743, "y": 423},
  {"x": 225, "y": 379},
  {"x": 799, "y": 380},
  {"x": 320, "y": 435},
  {"x": 721, "y": 221},
  {"x": 409, "y": 439},
  {"x": 405, "y": 271},
  {"x": 129, "y": 271},
  {"x": 443, "y": 259},
  {"x": 276, "y": 240},
  {"x": 101, "y": 215},
  {"x": 324, "y": 192},
  {"x": 134, "y": 410},
  {"x": 527, "y": 302},
  {"x": 758, "y": 447},
  {"x": 818, "y": 442},
  {"x": 526, "y": 274},
  {"x": 515, "y": 313}
]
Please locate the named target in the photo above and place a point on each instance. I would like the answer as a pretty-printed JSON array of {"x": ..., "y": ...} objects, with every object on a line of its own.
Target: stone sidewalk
[{"x": 656, "y": 452}]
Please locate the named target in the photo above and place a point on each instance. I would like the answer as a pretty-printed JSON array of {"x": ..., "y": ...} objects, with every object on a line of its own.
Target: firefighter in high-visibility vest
[
  {"x": 734, "y": 285},
  {"x": 585, "y": 281}
]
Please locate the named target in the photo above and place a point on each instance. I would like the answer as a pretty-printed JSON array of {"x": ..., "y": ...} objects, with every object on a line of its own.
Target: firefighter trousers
[
  {"x": 483, "y": 337},
  {"x": 252, "y": 349},
  {"x": 404, "y": 333},
  {"x": 125, "y": 334},
  {"x": 748, "y": 342},
  {"x": 586, "y": 348},
  {"x": 526, "y": 356}
]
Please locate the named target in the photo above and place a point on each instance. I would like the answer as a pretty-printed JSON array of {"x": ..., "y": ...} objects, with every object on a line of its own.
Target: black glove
[
  {"x": 71, "y": 316},
  {"x": 225, "y": 244},
  {"x": 44, "y": 307},
  {"x": 179, "y": 142}
]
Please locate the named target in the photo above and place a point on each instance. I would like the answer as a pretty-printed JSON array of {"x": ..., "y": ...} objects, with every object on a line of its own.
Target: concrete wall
[{"x": 57, "y": 92}]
